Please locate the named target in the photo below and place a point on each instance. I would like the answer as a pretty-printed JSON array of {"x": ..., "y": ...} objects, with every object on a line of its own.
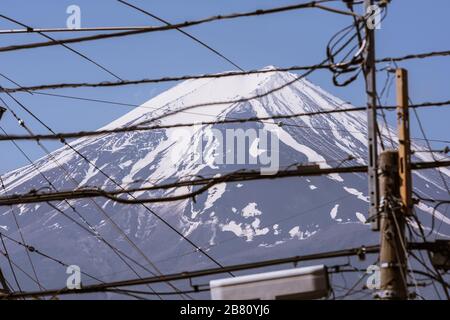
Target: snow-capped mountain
[{"x": 233, "y": 222}]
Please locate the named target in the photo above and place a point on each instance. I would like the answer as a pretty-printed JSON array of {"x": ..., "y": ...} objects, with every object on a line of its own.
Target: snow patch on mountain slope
[
  {"x": 360, "y": 217},
  {"x": 334, "y": 211},
  {"x": 214, "y": 194},
  {"x": 251, "y": 211},
  {"x": 301, "y": 235},
  {"x": 247, "y": 230},
  {"x": 357, "y": 193}
]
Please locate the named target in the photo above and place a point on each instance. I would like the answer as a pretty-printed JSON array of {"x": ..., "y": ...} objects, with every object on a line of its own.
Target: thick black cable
[
  {"x": 207, "y": 272},
  {"x": 161, "y": 80},
  {"x": 81, "y": 134},
  {"x": 308, "y": 5},
  {"x": 205, "y": 183},
  {"x": 415, "y": 56},
  {"x": 204, "y": 76},
  {"x": 137, "y": 128}
]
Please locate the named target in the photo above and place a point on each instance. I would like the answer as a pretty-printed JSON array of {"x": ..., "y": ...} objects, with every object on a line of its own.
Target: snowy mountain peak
[{"x": 198, "y": 91}]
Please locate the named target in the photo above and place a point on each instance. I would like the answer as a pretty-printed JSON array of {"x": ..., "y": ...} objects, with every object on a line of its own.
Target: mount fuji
[{"x": 232, "y": 222}]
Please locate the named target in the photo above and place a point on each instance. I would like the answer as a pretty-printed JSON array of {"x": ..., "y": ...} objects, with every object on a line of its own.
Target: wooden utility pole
[
  {"x": 371, "y": 91},
  {"x": 393, "y": 267},
  {"x": 404, "y": 148}
]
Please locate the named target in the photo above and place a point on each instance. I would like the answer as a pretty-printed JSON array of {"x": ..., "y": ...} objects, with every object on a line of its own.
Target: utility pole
[
  {"x": 393, "y": 267},
  {"x": 395, "y": 188},
  {"x": 404, "y": 148},
  {"x": 371, "y": 90}
]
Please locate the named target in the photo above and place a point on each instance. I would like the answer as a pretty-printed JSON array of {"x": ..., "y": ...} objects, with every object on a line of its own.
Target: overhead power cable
[
  {"x": 124, "y": 104},
  {"x": 163, "y": 79},
  {"x": 140, "y": 128},
  {"x": 360, "y": 251},
  {"x": 61, "y": 136},
  {"x": 205, "y": 183},
  {"x": 415, "y": 56},
  {"x": 307, "y": 5},
  {"x": 209, "y": 76},
  {"x": 67, "y": 30}
]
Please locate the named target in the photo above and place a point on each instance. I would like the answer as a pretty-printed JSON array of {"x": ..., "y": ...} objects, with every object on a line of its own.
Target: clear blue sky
[{"x": 293, "y": 38}]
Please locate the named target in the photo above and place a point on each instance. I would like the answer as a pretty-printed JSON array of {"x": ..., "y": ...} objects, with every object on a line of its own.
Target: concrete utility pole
[
  {"x": 393, "y": 267},
  {"x": 371, "y": 90},
  {"x": 404, "y": 148}
]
